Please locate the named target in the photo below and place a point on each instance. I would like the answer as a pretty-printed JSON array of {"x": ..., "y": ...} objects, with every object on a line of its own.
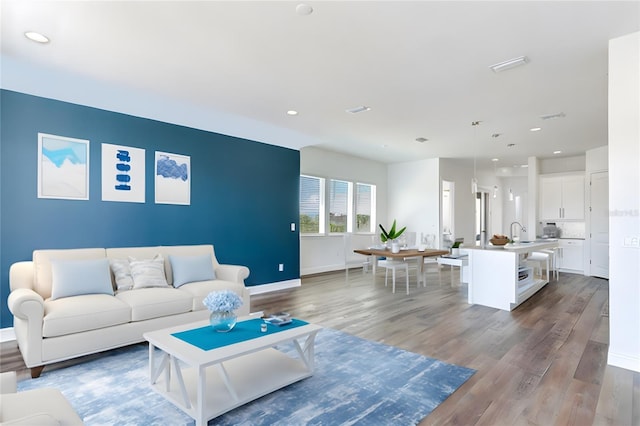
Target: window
[
  {"x": 311, "y": 205},
  {"x": 339, "y": 205},
  {"x": 349, "y": 206},
  {"x": 365, "y": 202}
]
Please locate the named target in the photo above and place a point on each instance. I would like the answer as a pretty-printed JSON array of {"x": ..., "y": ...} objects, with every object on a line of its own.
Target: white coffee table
[{"x": 211, "y": 382}]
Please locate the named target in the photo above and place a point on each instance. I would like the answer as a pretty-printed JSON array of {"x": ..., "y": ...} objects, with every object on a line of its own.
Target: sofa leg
[{"x": 36, "y": 371}]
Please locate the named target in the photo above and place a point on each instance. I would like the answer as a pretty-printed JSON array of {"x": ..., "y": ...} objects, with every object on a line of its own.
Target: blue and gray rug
[{"x": 355, "y": 382}]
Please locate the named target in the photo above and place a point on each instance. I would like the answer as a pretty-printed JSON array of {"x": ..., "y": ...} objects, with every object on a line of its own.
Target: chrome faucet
[{"x": 522, "y": 229}]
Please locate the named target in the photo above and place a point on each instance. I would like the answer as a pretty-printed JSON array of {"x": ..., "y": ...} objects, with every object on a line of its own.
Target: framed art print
[
  {"x": 63, "y": 167},
  {"x": 123, "y": 173},
  {"x": 172, "y": 178}
]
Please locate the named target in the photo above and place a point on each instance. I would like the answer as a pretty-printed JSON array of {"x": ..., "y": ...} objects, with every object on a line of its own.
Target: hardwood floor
[{"x": 542, "y": 364}]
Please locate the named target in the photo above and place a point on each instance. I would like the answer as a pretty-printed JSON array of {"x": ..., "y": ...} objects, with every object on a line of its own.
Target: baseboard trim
[
  {"x": 268, "y": 288},
  {"x": 624, "y": 361},
  {"x": 321, "y": 269},
  {"x": 7, "y": 335}
]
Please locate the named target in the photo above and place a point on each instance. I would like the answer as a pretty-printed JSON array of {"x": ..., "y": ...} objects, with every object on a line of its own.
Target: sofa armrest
[
  {"x": 27, "y": 308},
  {"x": 21, "y": 275},
  {"x": 234, "y": 273},
  {"x": 26, "y": 304},
  {"x": 8, "y": 382}
]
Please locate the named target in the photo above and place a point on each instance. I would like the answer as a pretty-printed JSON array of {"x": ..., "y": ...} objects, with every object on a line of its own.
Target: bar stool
[
  {"x": 537, "y": 259},
  {"x": 553, "y": 259}
]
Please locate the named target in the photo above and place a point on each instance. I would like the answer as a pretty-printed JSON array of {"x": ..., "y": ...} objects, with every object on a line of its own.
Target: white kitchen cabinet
[
  {"x": 571, "y": 255},
  {"x": 562, "y": 197}
]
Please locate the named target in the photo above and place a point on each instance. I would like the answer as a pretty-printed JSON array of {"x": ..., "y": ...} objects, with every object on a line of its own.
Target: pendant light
[
  {"x": 474, "y": 180},
  {"x": 495, "y": 174}
]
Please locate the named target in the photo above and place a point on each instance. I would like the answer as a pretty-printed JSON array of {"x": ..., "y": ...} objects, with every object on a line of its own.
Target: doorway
[
  {"x": 482, "y": 218},
  {"x": 448, "y": 231}
]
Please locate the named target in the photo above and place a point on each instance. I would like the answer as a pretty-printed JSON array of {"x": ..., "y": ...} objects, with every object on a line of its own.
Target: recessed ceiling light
[
  {"x": 535, "y": 129},
  {"x": 557, "y": 152},
  {"x": 496, "y": 135},
  {"x": 524, "y": 166},
  {"x": 358, "y": 109},
  {"x": 495, "y": 159},
  {"x": 421, "y": 140},
  {"x": 553, "y": 116},
  {"x": 304, "y": 9},
  {"x": 292, "y": 112},
  {"x": 511, "y": 145},
  {"x": 37, "y": 37},
  {"x": 508, "y": 64}
]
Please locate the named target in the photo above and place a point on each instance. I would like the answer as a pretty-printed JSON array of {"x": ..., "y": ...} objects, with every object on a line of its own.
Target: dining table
[{"x": 406, "y": 253}]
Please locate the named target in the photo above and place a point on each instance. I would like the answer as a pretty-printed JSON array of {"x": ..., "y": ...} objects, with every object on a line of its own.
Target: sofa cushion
[
  {"x": 147, "y": 303},
  {"x": 148, "y": 272},
  {"x": 188, "y": 269},
  {"x": 121, "y": 274},
  {"x": 76, "y": 277},
  {"x": 199, "y": 290},
  {"x": 42, "y": 264},
  {"x": 82, "y": 313}
]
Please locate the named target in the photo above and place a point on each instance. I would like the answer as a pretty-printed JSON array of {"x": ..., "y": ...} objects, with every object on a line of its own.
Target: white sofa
[
  {"x": 50, "y": 328},
  {"x": 38, "y": 407}
]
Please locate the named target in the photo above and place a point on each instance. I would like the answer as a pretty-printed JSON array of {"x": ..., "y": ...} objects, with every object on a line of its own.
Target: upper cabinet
[{"x": 562, "y": 197}]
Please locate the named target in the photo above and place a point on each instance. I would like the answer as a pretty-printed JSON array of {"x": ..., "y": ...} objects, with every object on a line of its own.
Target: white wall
[
  {"x": 327, "y": 252},
  {"x": 520, "y": 188},
  {"x": 414, "y": 196},
  {"x": 624, "y": 201}
]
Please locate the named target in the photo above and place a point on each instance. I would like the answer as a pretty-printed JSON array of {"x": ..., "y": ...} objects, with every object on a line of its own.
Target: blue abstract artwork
[
  {"x": 123, "y": 173},
  {"x": 172, "y": 178},
  {"x": 63, "y": 167}
]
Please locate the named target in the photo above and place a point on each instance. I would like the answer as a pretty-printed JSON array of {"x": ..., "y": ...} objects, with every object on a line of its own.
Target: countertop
[{"x": 522, "y": 246}]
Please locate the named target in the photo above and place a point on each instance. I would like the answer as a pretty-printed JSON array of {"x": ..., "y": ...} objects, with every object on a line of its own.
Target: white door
[{"x": 599, "y": 225}]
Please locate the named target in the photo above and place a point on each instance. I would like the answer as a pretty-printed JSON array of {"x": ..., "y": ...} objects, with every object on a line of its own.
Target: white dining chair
[{"x": 393, "y": 265}]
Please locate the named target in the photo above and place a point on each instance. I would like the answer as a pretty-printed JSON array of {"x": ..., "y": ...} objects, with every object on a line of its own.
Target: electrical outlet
[
  {"x": 281, "y": 267},
  {"x": 293, "y": 227}
]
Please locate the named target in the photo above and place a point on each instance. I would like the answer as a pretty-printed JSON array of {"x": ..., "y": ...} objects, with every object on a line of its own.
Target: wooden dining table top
[{"x": 413, "y": 252}]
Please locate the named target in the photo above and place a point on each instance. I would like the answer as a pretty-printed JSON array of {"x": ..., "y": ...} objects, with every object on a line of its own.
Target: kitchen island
[{"x": 499, "y": 276}]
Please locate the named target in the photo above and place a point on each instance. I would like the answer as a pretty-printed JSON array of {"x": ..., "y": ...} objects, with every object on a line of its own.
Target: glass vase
[{"x": 222, "y": 321}]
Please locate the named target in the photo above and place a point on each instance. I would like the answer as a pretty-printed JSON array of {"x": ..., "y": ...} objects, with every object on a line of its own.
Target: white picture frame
[
  {"x": 172, "y": 178},
  {"x": 123, "y": 173},
  {"x": 63, "y": 167}
]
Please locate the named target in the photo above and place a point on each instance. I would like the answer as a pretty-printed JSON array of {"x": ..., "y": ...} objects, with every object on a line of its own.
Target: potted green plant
[
  {"x": 455, "y": 248},
  {"x": 392, "y": 236}
]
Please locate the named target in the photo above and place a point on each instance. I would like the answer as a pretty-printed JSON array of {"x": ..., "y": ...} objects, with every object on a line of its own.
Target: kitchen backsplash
[{"x": 571, "y": 229}]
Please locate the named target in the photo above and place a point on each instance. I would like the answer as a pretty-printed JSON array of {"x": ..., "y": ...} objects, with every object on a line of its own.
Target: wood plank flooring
[{"x": 542, "y": 364}]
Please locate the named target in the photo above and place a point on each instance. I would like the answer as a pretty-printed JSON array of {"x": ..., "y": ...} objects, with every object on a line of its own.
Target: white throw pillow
[
  {"x": 122, "y": 274},
  {"x": 188, "y": 269},
  {"x": 77, "y": 277},
  {"x": 148, "y": 272}
]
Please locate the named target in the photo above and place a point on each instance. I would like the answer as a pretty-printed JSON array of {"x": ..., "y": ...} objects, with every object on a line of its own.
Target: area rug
[{"x": 355, "y": 382}]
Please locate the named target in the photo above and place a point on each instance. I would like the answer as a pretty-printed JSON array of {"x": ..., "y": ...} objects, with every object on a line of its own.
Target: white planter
[{"x": 395, "y": 247}]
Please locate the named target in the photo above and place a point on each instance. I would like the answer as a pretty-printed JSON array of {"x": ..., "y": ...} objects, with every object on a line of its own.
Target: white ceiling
[{"x": 422, "y": 67}]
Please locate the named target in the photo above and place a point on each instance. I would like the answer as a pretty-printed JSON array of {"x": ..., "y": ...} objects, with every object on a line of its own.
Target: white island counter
[{"x": 498, "y": 276}]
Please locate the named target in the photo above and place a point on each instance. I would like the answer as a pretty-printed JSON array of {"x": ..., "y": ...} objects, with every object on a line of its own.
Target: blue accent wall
[{"x": 244, "y": 194}]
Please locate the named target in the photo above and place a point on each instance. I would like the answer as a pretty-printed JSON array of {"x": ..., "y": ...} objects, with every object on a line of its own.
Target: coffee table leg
[
  {"x": 202, "y": 385},
  {"x": 307, "y": 353}
]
